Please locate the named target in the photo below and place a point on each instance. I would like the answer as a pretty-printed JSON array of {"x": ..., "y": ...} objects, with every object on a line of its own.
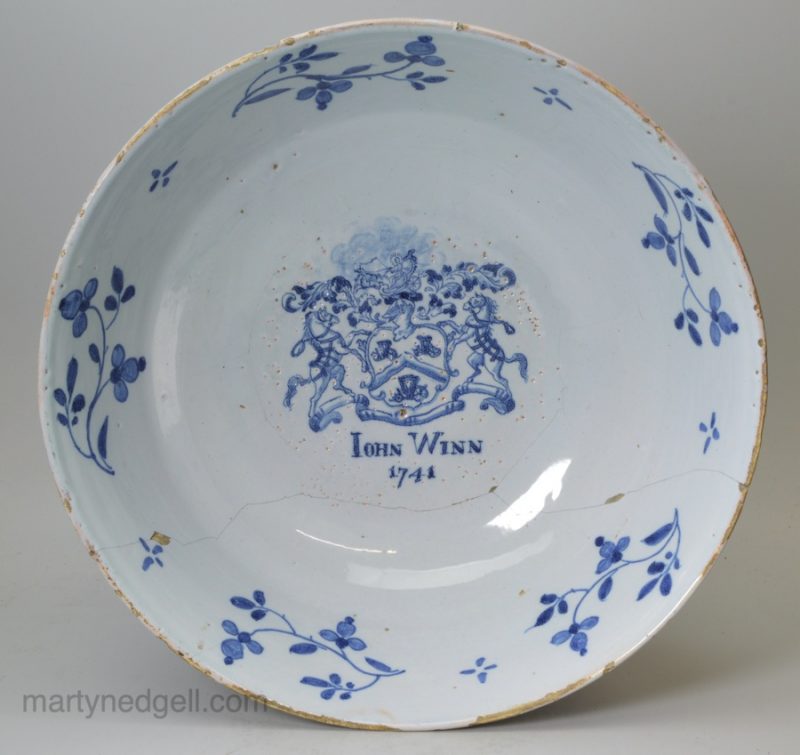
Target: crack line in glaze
[{"x": 550, "y": 696}]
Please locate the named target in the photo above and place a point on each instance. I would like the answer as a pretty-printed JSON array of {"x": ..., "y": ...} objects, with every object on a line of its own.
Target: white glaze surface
[{"x": 450, "y": 569}]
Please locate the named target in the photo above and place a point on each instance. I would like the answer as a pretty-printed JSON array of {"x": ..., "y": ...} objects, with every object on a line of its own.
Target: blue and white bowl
[{"x": 402, "y": 375}]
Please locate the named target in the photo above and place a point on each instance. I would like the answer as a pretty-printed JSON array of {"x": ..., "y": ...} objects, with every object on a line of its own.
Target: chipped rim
[{"x": 350, "y": 26}]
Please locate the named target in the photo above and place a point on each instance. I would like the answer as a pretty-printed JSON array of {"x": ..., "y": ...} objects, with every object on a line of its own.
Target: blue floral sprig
[
  {"x": 549, "y": 96},
  {"x": 117, "y": 369},
  {"x": 681, "y": 212},
  {"x": 480, "y": 670},
  {"x": 161, "y": 177},
  {"x": 322, "y": 87},
  {"x": 153, "y": 554},
  {"x": 339, "y": 642},
  {"x": 612, "y": 561},
  {"x": 710, "y": 430}
]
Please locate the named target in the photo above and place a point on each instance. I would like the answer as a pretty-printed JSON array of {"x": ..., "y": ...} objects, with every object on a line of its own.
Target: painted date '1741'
[{"x": 404, "y": 474}]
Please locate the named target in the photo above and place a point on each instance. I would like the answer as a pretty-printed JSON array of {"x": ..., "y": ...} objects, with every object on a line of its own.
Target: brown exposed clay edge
[{"x": 561, "y": 62}]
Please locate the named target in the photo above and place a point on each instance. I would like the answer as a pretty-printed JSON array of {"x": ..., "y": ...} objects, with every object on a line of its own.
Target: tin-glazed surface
[{"x": 403, "y": 375}]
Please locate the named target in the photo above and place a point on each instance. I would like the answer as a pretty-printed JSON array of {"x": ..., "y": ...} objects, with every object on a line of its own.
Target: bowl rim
[{"x": 348, "y": 26}]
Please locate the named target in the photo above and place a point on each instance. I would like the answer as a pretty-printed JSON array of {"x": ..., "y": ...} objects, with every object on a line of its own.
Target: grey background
[{"x": 78, "y": 78}]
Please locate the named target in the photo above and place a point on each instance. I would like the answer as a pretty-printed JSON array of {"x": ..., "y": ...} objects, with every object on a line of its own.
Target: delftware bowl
[{"x": 402, "y": 375}]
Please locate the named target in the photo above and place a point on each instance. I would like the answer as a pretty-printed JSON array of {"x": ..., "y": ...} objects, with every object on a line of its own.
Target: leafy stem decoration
[
  {"x": 116, "y": 369},
  {"x": 339, "y": 642},
  {"x": 612, "y": 561},
  {"x": 680, "y": 212},
  {"x": 321, "y": 87}
]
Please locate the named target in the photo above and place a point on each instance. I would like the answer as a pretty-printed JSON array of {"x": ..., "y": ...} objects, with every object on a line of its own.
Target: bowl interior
[{"x": 419, "y": 375}]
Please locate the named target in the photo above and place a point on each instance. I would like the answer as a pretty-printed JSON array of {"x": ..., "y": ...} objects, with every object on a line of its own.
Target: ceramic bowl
[{"x": 403, "y": 375}]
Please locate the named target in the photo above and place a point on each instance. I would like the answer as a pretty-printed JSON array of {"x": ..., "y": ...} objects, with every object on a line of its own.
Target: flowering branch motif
[
  {"x": 680, "y": 211},
  {"x": 77, "y": 307},
  {"x": 295, "y": 68},
  {"x": 612, "y": 561},
  {"x": 338, "y": 642}
]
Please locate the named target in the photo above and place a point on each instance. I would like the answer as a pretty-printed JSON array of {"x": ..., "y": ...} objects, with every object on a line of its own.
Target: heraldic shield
[{"x": 385, "y": 338}]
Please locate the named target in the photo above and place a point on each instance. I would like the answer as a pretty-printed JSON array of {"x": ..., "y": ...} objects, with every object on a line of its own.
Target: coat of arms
[{"x": 383, "y": 339}]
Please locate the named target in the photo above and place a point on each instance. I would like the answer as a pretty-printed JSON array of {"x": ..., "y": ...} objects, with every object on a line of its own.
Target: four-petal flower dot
[
  {"x": 711, "y": 430},
  {"x": 344, "y": 636},
  {"x": 610, "y": 552},
  {"x": 124, "y": 371},
  {"x": 721, "y": 321},
  {"x": 233, "y": 649},
  {"x": 74, "y": 305},
  {"x": 153, "y": 554},
  {"x": 324, "y": 90},
  {"x": 161, "y": 176},
  {"x": 661, "y": 238},
  {"x": 551, "y": 96},
  {"x": 420, "y": 50},
  {"x": 576, "y": 634},
  {"x": 480, "y": 669}
]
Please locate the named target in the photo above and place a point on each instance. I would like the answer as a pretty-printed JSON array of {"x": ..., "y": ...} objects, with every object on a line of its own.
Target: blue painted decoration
[
  {"x": 480, "y": 670},
  {"x": 153, "y": 554},
  {"x": 341, "y": 642},
  {"x": 710, "y": 430},
  {"x": 117, "y": 370},
  {"x": 161, "y": 177},
  {"x": 681, "y": 215},
  {"x": 299, "y": 70},
  {"x": 552, "y": 95},
  {"x": 382, "y": 335},
  {"x": 665, "y": 540}
]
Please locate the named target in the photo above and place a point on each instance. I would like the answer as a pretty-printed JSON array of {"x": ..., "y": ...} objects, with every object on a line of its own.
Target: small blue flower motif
[
  {"x": 233, "y": 649},
  {"x": 124, "y": 371},
  {"x": 256, "y": 606},
  {"x": 661, "y": 238},
  {"x": 610, "y": 552},
  {"x": 711, "y": 431},
  {"x": 551, "y": 96},
  {"x": 721, "y": 321},
  {"x": 323, "y": 91},
  {"x": 344, "y": 636},
  {"x": 576, "y": 634},
  {"x": 153, "y": 555},
  {"x": 481, "y": 670},
  {"x": 331, "y": 686},
  {"x": 420, "y": 50},
  {"x": 74, "y": 305},
  {"x": 161, "y": 176}
]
